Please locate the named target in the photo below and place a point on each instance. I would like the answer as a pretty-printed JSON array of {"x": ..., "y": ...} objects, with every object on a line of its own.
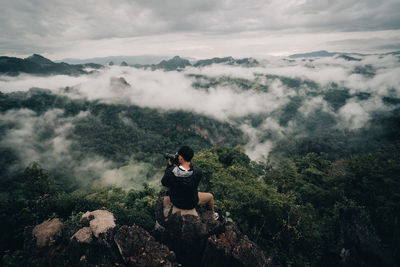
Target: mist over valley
[
  {"x": 292, "y": 109},
  {"x": 94, "y": 124},
  {"x": 296, "y": 150}
]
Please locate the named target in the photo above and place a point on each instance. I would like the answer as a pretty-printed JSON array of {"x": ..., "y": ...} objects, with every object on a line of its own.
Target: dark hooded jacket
[{"x": 182, "y": 186}]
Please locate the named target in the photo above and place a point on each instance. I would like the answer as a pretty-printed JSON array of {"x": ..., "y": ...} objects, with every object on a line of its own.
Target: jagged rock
[
  {"x": 84, "y": 235},
  {"x": 233, "y": 248},
  {"x": 202, "y": 241},
  {"x": 361, "y": 246},
  {"x": 45, "y": 244},
  {"x": 47, "y": 232},
  {"x": 185, "y": 238},
  {"x": 138, "y": 248},
  {"x": 99, "y": 243},
  {"x": 185, "y": 234},
  {"x": 100, "y": 221}
]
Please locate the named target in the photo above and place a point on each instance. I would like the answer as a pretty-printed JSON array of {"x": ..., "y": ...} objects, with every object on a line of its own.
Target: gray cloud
[
  {"x": 350, "y": 15},
  {"x": 393, "y": 47},
  {"x": 388, "y": 42},
  {"x": 55, "y": 26}
]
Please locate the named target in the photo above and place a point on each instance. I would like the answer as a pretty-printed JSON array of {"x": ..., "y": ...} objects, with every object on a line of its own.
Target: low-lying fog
[{"x": 229, "y": 93}]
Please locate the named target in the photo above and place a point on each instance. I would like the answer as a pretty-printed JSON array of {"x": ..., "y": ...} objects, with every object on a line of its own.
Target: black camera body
[{"x": 173, "y": 157}]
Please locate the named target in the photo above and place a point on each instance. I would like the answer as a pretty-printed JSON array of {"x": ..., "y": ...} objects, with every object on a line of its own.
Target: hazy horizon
[{"x": 197, "y": 29}]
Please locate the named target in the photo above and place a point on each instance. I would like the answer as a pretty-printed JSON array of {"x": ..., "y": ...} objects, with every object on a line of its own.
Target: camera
[{"x": 173, "y": 157}]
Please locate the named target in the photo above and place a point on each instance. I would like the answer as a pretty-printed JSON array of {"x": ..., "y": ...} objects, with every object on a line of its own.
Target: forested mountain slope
[{"x": 302, "y": 153}]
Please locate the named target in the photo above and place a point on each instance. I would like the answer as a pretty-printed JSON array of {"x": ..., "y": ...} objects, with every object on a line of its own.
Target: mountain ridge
[
  {"x": 131, "y": 60},
  {"x": 37, "y": 64},
  {"x": 324, "y": 53}
]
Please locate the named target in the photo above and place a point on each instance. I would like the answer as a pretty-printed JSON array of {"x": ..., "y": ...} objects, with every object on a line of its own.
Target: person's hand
[{"x": 170, "y": 163}]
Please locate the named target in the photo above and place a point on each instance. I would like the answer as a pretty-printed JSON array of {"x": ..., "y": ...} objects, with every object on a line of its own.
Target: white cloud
[
  {"x": 354, "y": 115},
  {"x": 225, "y": 101},
  {"x": 131, "y": 176},
  {"x": 255, "y": 148},
  {"x": 313, "y": 105},
  {"x": 44, "y": 139}
]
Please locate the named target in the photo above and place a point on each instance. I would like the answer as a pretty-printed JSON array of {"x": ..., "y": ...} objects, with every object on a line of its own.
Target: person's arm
[
  {"x": 199, "y": 176},
  {"x": 168, "y": 177}
]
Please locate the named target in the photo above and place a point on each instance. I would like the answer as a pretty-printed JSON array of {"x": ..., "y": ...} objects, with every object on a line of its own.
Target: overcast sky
[{"x": 196, "y": 28}]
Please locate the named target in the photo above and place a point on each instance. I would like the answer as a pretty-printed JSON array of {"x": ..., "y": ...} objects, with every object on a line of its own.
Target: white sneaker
[{"x": 215, "y": 216}]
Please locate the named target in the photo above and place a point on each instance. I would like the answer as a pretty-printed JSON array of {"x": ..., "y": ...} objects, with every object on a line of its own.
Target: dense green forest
[
  {"x": 296, "y": 208},
  {"x": 329, "y": 185}
]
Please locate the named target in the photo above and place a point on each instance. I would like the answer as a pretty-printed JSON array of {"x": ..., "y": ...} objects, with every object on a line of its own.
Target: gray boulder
[{"x": 98, "y": 243}]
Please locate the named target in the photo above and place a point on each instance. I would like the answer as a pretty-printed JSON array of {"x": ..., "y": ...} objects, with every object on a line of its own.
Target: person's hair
[{"x": 186, "y": 153}]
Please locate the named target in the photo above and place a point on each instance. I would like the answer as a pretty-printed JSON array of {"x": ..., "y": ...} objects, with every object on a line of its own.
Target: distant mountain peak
[
  {"x": 37, "y": 64},
  {"x": 176, "y": 58},
  {"x": 324, "y": 53},
  {"x": 36, "y": 56},
  {"x": 320, "y": 53},
  {"x": 226, "y": 60},
  {"x": 174, "y": 63},
  {"x": 39, "y": 59}
]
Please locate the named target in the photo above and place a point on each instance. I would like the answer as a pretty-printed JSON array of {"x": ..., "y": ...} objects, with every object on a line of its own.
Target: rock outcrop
[
  {"x": 98, "y": 243},
  {"x": 233, "y": 248},
  {"x": 48, "y": 232},
  {"x": 180, "y": 238},
  {"x": 100, "y": 221},
  {"x": 137, "y": 248},
  {"x": 361, "y": 246},
  {"x": 199, "y": 240},
  {"x": 44, "y": 244}
]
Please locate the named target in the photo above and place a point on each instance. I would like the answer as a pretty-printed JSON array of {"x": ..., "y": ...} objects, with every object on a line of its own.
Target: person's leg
[{"x": 206, "y": 198}]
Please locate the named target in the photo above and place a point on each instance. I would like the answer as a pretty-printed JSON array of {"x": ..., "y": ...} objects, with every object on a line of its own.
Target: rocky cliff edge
[{"x": 180, "y": 238}]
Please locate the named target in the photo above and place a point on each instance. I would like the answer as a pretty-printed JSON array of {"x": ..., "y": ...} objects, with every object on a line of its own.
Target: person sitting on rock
[{"x": 182, "y": 181}]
